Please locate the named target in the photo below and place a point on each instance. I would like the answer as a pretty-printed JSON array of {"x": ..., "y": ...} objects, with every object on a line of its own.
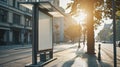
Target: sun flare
[{"x": 80, "y": 18}]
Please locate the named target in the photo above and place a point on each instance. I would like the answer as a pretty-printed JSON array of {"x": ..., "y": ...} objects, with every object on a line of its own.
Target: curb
[{"x": 16, "y": 48}]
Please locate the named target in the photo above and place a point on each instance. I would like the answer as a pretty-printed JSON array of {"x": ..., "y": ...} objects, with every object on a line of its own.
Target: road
[
  {"x": 107, "y": 51},
  {"x": 21, "y": 57},
  {"x": 68, "y": 56}
]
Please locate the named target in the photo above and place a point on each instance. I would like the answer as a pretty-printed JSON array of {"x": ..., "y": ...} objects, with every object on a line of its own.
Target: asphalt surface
[
  {"x": 19, "y": 57},
  {"x": 68, "y": 55}
]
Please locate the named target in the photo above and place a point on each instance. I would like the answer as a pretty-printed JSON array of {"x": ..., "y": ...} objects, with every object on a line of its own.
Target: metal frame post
[
  {"x": 114, "y": 33},
  {"x": 34, "y": 34}
]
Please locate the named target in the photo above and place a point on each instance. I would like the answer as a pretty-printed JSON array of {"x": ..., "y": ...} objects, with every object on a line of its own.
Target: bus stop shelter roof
[{"x": 46, "y": 6}]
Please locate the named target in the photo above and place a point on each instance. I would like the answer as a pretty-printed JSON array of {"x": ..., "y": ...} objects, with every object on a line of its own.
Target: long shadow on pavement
[
  {"x": 84, "y": 60},
  {"x": 92, "y": 61}
]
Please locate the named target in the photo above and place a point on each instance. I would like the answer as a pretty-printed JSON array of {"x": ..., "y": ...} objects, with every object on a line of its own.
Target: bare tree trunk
[{"x": 90, "y": 29}]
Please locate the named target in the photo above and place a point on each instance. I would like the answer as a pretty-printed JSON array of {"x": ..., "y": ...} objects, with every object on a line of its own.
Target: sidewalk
[
  {"x": 9, "y": 47},
  {"x": 72, "y": 57},
  {"x": 77, "y": 58},
  {"x": 19, "y": 58},
  {"x": 16, "y": 46}
]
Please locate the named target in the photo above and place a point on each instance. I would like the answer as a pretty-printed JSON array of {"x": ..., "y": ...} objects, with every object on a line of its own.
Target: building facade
[{"x": 15, "y": 23}]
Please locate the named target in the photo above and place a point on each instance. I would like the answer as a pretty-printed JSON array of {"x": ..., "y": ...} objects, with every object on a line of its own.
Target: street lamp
[{"x": 114, "y": 33}]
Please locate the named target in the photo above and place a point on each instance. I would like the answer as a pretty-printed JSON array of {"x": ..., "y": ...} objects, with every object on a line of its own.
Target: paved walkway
[
  {"x": 72, "y": 57},
  {"x": 21, "y": 57},
  {"x": 77, "y": 58},
  {"x": 16, "y": 46}
]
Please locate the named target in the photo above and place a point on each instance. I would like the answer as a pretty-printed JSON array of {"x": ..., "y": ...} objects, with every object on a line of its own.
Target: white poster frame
[{"x": 44, "y": 32}]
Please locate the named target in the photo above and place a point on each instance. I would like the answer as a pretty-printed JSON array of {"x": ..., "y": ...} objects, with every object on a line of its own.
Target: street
[
  {"x": 49, "y": 33},
  {"x": 67, "y": 56},
  {"x": 23, "y": 56}
]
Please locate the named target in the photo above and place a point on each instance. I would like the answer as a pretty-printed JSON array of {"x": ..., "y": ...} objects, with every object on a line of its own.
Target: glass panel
[
  {"x": 29, "y": 6},
  {"x": 56, "y": 14},
  {"x": 45, "y": 6}
]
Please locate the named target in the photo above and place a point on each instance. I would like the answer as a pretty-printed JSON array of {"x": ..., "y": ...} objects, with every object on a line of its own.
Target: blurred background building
[
  {"x": 106, "y": 34},
  {"x": 16, "y": 23}
]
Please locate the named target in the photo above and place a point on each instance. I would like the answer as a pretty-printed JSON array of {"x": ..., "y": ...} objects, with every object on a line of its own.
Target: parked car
[{"x": 103, "y": 41}]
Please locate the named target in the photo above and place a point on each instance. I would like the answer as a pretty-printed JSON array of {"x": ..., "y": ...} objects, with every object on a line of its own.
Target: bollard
[{"x": 99, "y": 53}]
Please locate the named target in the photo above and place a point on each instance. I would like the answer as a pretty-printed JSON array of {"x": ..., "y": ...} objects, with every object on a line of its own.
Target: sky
[{"x": 63, "y": 4}]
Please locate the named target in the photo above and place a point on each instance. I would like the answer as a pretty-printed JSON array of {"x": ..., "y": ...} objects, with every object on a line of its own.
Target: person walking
[{"x": 80, "y": 30}]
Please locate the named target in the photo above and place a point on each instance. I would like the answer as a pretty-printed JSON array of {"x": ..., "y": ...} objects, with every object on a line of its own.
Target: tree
[
  {"x": 94, "y": 15},
  {"x": 108, "y": 8},
  {"x": 73, "y": 32},
  {"x": 96, "y": 10}
]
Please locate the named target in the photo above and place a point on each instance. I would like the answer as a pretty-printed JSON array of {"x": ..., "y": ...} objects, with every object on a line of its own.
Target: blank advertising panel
[{"x": 44, "y": 32}]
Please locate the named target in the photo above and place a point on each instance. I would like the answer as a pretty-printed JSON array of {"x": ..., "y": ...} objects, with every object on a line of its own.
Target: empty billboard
[{"x": 44, "y": 32}]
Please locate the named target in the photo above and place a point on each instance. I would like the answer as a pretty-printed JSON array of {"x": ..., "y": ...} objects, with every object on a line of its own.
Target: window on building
[
  {"x": 27, "y": 10},
  {"x": 4, "y": 0},
  {"x": 28, "y": 0},
  {"x": 3, "y": 15},
  {"x": 18, "y": 5},
  {"x": 28, "y": 21},
  {"x": 14, "y": 3},
  {"x": 16, "y": 18}
]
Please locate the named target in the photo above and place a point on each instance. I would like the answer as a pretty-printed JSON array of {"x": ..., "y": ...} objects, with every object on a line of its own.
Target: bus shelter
[{"x": 42, "y": 31}]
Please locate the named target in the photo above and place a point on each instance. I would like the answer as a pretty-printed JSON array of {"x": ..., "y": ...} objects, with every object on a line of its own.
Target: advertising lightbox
[{"x": 44, "y": 32}]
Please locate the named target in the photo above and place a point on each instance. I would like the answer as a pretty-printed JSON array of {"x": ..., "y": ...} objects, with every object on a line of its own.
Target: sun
[{"x": 80, "y": 18}]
